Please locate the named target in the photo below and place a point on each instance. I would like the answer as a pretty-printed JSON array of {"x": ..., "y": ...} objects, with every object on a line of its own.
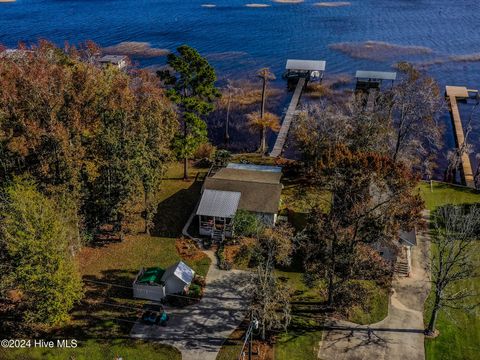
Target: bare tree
[
  {"x": 456, "y": 228},
  {"x": 414, "y": 108}
]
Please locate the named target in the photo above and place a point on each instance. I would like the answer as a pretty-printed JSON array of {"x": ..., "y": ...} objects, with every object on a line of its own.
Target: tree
[
  {"x": 414, "y": 107},
  {"x": 456, "y": 230},
  {"x": 371, "y": 199},
  {"x": 260, "y": 123},
  {"x": 35, "y": 259},
  {"x": 192, "y": 87}
]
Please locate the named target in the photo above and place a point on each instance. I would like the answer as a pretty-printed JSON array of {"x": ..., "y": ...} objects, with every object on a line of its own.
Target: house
[
  {"x": 254, "y": 188},
  {"x": 155, "y": 283},
  {"x": 119, "y": 61},
  {"x": 400, "y": 254}
]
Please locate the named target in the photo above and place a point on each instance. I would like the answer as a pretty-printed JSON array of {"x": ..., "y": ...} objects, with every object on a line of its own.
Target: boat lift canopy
[
  {"x": 310, "y": 69},
  {"x": 376, "y": 75}
]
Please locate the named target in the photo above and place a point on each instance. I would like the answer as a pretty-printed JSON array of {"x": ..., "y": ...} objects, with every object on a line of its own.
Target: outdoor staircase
[
  {"x": 218, "y": 235},
  {"x": 401, "y": 267}
]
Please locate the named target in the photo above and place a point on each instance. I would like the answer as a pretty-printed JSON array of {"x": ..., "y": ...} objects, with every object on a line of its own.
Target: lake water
[{"x": 239, "y": 39}]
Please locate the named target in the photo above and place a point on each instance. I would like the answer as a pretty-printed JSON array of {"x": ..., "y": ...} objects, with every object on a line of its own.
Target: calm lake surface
[{"x": 239, "y": 39}]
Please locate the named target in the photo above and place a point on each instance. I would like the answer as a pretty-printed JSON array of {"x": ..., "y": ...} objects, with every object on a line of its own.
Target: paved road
[
  {"x": 400, "y": 334},
  {"x": 199, "y": 330}
]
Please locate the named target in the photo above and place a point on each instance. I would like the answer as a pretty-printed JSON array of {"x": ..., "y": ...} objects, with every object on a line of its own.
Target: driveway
[
  {"x": 199, "y": 330},
  {"x": 400, "y": 334}
]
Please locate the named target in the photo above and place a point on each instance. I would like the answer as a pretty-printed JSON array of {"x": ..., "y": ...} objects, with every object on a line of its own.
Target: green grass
[
  {"x": 93, "y": 350},
  {"x": 459, "y": 330},
  {"x": 443, "y": 194},
  {"x": 298, "y": 345},
  {"x": 376, "y": 307}
]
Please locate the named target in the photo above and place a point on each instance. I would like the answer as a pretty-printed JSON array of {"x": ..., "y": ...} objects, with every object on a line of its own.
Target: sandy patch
[
  {"x": 208, "y": 5},
  {"x": 378, "y": 50},
  {"x": 333, "y": 4},
  {"x": 6, "y": 1},
  {"x": 288, "y": 1},
  {"x": 464, "y": 58},
  {"x": 257, "y": 5},
  {"x": 135, "y": 48}
]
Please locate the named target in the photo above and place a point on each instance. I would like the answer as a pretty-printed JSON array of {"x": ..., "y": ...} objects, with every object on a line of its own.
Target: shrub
[
  {"x": 222, "y": 157},
  {"x": 204, "y": 151},
  {"x": 246, "y": 223}
]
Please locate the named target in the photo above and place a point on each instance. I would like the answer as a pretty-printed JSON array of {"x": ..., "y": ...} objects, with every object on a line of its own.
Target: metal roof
[
  {"x": 377, "y": 75},
  {"x": 219, "y": 203},
  {"x": 410, "y": 237},
  {"x": 254, "y": 167},
  {"x": 306, "y": 65},
  {"x": 179, "y": 270}
]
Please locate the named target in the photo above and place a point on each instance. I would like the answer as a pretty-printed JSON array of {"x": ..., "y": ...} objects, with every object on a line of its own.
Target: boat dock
[
  {"x": 304, "y": 70},
  {"x": 453, "y": 93}
]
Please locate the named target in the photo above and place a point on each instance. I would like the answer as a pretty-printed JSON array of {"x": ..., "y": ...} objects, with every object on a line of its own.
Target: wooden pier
[
  {"x": 453, "y": 93},
  {"x": 287, "y": 120}
]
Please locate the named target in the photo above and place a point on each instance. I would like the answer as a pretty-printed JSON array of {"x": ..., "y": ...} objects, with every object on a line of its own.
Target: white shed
[
  {"x": 177, "y": 278},
  {"x": 155, "y": 283}
]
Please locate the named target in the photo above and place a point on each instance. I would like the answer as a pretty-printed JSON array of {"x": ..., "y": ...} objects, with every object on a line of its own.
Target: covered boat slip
[
  {"x": 309, "y": 69},
  {"x": 367, "y": 80},
  {"x": 216, "y": 211}
]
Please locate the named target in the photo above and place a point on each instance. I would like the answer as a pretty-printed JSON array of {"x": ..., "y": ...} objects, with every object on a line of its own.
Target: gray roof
[
  {"x": 306, "y": 65},
  {"x": 113, "y": 59},
  {"x": 268, "y": 177},
  {"x": 410, "y": 237},
  {"x": 377, "y": 75},
  {"x": 219, "y": 203},
  {"x": 254, "y": 167},
  {"x": 259, "y": 197},
  {"x": 180, "y": 270}
]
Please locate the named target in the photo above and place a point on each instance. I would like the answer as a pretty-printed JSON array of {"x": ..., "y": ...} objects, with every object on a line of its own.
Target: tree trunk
[
  {"x": 433, "y": 317},
  {"x": 185, "y": 169},
  {"x": 264, "y": 88},
  {"x": 263, "y": 140}
]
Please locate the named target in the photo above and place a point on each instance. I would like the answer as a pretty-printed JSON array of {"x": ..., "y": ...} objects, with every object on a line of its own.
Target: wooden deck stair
[{"x": 287, "y": 120}]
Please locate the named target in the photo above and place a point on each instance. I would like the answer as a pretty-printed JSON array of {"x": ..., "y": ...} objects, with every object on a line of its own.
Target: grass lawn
[
  {"x": 443, "y": 194},
  {"x": 459, "y": 330},
  {"x": 102, "y": 322},
  {"x": 298, "y": 345},
  {"x": 96, "y": 350}
]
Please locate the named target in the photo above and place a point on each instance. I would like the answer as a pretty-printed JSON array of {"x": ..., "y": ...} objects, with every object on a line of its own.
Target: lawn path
[
  {"x": 199, "y": 330},
  {"x": 400, "y": 334}
]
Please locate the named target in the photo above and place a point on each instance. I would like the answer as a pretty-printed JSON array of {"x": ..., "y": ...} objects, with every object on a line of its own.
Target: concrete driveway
[
  {"x": 199, "y": 330},
  {"x": 400, "y": 334}
]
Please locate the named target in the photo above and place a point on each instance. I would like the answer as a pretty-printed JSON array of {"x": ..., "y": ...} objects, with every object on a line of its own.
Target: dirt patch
[
  {"x": 378, "y": 50},
  {"x": 188, "y": 250},
  {"x": 135, "y": 48}
]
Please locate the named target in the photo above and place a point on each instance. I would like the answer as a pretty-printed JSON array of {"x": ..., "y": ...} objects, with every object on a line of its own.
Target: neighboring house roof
[
  {"x": 254, "y": 167},
  {"x": 248, "y": 175},
  {"x": 255, "y": 196},
  {"x": 409, "y": 237},
  {"x": 181, "y": 271},
  {"x": 219, "y": 203}
]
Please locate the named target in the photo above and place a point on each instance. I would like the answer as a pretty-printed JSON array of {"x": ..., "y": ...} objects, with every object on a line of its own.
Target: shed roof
[
  {"x": 306, "y": 65},
  {"x": 410, "y": 237},
  {"x": 180, "y": 270},
  {"x": 114, "y": 59},
  {"x": 255, "y": 196},
  {"x": 268, "y": 177},
  {"x": 254, "y": 167},
  {"x": 218, "y": 203},
  {"x": 377, "y": 75}
]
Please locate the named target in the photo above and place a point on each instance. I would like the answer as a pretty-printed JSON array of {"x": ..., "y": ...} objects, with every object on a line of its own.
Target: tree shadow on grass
[{"x": 173, "y": 212}]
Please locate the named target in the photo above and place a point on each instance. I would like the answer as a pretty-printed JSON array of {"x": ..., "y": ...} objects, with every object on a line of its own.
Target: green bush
[{"x": 246, "y": 223}]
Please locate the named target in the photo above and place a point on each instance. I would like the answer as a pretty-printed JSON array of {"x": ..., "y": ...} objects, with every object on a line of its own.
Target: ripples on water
[{"x": 240, "y": 39}]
